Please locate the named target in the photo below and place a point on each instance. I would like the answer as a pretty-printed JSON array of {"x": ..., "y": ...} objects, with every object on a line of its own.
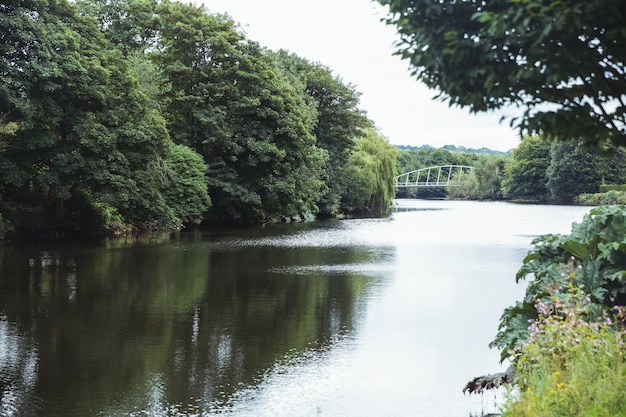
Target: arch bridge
[{"x": 435, "y": 176}]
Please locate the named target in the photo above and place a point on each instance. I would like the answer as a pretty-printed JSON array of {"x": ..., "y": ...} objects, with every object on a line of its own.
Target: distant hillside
[{"x": 454, "y": 148}]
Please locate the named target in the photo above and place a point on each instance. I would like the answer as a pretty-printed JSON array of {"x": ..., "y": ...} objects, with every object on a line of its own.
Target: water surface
[{"x": 375, "y": 317}]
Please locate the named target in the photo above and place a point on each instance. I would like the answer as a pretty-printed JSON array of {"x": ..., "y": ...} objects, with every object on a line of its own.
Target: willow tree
[{"x": 370, "y": 175}]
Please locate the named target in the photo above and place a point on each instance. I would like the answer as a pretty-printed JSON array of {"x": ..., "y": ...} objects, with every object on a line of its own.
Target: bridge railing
[{"x": 434, "y": 176}]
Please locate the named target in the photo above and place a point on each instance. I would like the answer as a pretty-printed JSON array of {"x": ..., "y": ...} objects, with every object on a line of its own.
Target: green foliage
[
  {"x": 338, "y": 121},
  {"x": 612, "y": 187},
  {"x": 185, "y": 191},
  {"x": 559, "y": 171},
  {"x": 487, "y": 175},
  {"x": 5, "y": 226},
  {"x": 370, "y": 175},
  {"x": 597, "y": 247},
  {"x": 7, "y": 132},
  {"x": 95, "y": 94},
  {"x": 488, "y": 55},
  {"x": 232, "y": 106},
  {"x": 109, "y": 219},
  {"x": 85, "y": 129},
  {"x": 485, "y": 181},
  {"x": 456, "y": 149},
  {"x": 129, "y": 25},
  {"x": 570, "y": 366},
  {"x": 597, "y": 199},
  {"x": 526, "y": 173},
  {"x": 573, "y": 170}
]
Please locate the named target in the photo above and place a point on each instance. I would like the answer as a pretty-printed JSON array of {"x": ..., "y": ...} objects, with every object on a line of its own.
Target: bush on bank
[
  {"x": 570, "y": 366},
  {"x": 602, "y": 198},
  {"x": 598, "y": 247},
  {"x": 566, "y": 338}
]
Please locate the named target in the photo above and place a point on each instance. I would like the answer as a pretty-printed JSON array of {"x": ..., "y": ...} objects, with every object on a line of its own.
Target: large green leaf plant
[{"x": 597, "y": 249}]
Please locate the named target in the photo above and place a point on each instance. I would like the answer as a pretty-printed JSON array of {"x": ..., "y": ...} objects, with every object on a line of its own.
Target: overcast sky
[{"x": 348, "y": 37}]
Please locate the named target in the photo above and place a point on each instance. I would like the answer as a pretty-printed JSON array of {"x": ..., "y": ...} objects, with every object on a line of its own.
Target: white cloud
[{"x": 348, "y": 37}]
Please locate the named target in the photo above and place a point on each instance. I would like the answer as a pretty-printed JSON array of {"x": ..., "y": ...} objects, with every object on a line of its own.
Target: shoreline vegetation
[
  {"x": 566, "y": 340},
  {"x": 128, "y": 117}
]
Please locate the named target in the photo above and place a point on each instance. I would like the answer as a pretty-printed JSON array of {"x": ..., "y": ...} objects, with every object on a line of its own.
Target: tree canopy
[
  {"x": 143, "y": 115},
  {"x": 527, "y": 176},
  {"x": 560, "y": 62}
]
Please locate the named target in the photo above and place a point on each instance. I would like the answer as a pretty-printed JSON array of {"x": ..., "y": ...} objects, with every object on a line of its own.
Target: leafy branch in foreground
[{"x": 560, "y": 62}]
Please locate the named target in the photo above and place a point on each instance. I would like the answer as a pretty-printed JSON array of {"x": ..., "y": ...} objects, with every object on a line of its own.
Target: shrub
[
  {"x": 112, "y": 222},
  {"x": 598, "y": 247},
  {"x": 612, "y": 187},
  {"x": 570, "y": 366},
  {"x": 604, "y": 198}
]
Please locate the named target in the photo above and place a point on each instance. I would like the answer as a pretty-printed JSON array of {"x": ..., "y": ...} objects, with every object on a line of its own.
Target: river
[{"x": 351, "y": 318}]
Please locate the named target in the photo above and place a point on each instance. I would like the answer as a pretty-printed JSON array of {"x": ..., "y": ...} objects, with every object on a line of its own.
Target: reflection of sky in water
[
  {"x": 19, "y": 361},
  {"x": 433, "y": 222},
  {"x": 368, "y": 269},
  {"x": 450, "y": 270},
  {"x": 347, "y": 233}
]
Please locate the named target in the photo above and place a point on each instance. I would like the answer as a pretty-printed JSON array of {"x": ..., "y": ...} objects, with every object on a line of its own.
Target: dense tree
[
  {"x": 86, "y": 132},
  {"x": 485, "y": 181},
  {"x": 147, "y": 115},
  {"x": 232, "y": 106},
  {"x": 87, "y": 144},
  {"x": 130, "y": 25},
  {"x": 488, "y": 55},
  {"x": 526, "y": 173},
  {"x": 613, "y": 167},
  {"x": 338, "y": 120},
  {"x": 573, "y": 170},
  {"x": 185, "y": 189},
  {"x": 487, "y": 177}
]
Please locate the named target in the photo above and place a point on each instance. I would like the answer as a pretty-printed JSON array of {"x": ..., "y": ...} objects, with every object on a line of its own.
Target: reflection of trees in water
[
  {"x": 110, "y": 322},
  {"x": 251, "y": 319}
]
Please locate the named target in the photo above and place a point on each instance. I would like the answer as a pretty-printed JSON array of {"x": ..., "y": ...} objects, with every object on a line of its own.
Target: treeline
[
  {"x": 454, "y": 148},
  {"x": 120, "y": 116},
  {"x": 538, "y": 170}
]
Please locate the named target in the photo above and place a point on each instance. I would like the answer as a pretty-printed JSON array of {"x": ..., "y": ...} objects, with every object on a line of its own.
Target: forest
[
  {"x": 119, "y": 117},
  {"x": 131, "y": 116},
  {"x": 537, "y": 170}
]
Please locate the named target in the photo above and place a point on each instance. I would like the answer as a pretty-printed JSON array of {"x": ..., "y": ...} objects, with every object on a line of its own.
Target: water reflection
[
  {"x": 169, "y": 327},
  {"x": 353, "y": 318},
  {"x": 18, "y": 371}
]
